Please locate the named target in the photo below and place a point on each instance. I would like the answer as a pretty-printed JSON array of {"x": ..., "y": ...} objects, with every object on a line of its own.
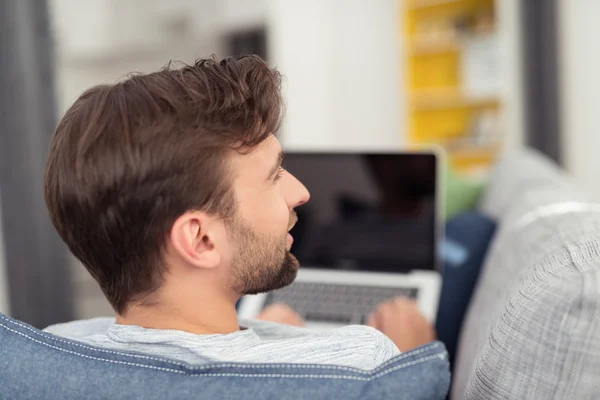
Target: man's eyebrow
[{"x": 277, "y": 164}]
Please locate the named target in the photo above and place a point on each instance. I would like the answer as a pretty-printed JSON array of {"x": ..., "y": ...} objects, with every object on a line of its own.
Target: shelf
[
  {"x": 450, "y": 98},
  {"x": 446, "y": 103},
  {"x": 469, "y": 159},
  {"x": 425, "y": 46},
  {"x": 419, "y": 4},
  {"x": 473, "y": 152}
]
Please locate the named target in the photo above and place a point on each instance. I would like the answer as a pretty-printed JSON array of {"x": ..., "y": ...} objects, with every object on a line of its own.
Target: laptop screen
[{"x": 371, "y": 212}]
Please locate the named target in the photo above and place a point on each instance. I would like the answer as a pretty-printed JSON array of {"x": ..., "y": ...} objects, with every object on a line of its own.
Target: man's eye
[{"x": 278, "y": 174}]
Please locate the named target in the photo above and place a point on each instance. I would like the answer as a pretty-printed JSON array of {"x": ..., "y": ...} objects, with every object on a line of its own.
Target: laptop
[{"x": 369, "y": 233}]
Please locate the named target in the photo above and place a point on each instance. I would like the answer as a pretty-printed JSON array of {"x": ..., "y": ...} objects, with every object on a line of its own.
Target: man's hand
[
  {"x": 400, "y": 320},
  {"x": 282, "y": 314}
]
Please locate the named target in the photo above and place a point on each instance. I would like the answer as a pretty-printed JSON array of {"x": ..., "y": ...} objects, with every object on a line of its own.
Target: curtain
[{"x": 36, "y": 261}]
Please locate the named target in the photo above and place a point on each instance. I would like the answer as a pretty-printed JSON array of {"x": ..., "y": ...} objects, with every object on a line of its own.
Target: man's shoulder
[
  {"x": 354, "y": 345},
  {"x": 81, "y": 328},
  {"x": 273, "y": 330}
]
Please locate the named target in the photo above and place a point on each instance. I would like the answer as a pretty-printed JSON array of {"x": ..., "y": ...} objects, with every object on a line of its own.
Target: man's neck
[{"x": 199, "y": 316}]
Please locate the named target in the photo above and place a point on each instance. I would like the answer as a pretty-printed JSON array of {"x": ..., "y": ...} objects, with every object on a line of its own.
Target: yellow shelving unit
[
  {"x": 441, "y": 108},
  {"x": 418, "y": 4},
  {"x": 447, "y": 98}
]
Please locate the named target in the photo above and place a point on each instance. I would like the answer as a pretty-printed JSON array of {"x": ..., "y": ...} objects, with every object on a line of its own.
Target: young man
[{"x": 169, "y": 188}]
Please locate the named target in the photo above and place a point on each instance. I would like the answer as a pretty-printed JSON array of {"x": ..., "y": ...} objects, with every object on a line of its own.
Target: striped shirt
[{"x": 260, "y": 342}]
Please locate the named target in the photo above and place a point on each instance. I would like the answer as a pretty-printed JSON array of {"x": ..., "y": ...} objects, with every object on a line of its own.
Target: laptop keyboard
[{"x": 336, "y": 303}]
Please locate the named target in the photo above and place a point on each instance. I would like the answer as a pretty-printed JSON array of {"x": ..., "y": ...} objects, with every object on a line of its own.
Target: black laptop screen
[{"x": 373, "y": 212}]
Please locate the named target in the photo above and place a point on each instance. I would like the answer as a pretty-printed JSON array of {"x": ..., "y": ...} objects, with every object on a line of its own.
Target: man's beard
[{"x": 261, "y": 263}]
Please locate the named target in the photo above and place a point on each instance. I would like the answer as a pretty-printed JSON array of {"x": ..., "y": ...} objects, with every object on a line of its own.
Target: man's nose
[{"x": 300, "y": 194}]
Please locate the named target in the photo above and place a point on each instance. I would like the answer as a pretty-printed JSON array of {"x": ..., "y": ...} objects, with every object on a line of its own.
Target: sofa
[{"x": 532, "y": 330}]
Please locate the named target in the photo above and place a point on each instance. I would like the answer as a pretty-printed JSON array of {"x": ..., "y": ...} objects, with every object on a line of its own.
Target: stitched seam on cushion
[
  {"x": 308, "y": 376},
  {"x": 73, "y": 343},
  {"x": 199, "y": 368},
  {"x": 312, "y": 376},
  {"x": 91, "y": 357},
  {"x": 411, "y": 363},
  {"x": 405, "y": 355}
]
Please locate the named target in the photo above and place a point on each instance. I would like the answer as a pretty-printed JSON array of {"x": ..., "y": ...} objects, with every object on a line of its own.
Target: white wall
[
  {"x": 580, "y": 84},
  {"x": 342, "y": 63},
  {"x": 100, "y": 41},
  {"x": 510, "y": 39}
]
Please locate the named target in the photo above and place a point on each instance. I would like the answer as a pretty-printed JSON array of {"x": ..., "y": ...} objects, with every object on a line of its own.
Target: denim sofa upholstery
[{"x": 38, "y": 365}]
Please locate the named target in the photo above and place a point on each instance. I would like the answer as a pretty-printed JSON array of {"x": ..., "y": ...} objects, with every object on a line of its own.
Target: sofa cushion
[
  {"x": 38, "y": 365},
  {"x": 521, "y": 173},
  {"x": 533, "y": 327},
  {"x": 468, "y": 236}
]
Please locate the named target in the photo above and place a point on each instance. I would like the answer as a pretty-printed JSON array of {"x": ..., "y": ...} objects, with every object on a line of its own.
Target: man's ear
[{"x": 194, "y": 238}]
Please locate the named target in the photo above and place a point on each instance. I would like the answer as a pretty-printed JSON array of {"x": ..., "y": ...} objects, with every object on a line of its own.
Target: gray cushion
[
  {"x": 518, "y": 174},
  {"x": 533, "y": 331}
]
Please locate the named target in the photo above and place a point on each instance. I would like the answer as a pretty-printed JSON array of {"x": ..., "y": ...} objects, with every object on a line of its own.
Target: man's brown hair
[{"x": 128, "y": 159}]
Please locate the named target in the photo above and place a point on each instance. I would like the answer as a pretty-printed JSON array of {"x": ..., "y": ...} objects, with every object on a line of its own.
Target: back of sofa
[
  {"x": 38, "y": 365},
  {"x": 533, "y": 327}
]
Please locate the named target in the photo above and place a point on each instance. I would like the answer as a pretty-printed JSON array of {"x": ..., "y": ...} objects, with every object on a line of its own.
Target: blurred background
[{"x": 480, "y": 78}]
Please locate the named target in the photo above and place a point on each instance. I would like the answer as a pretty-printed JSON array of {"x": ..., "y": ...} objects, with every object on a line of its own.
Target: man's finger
[
  {"x": 376, "y": 319},
  {"x": 404, "y": 301}
]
